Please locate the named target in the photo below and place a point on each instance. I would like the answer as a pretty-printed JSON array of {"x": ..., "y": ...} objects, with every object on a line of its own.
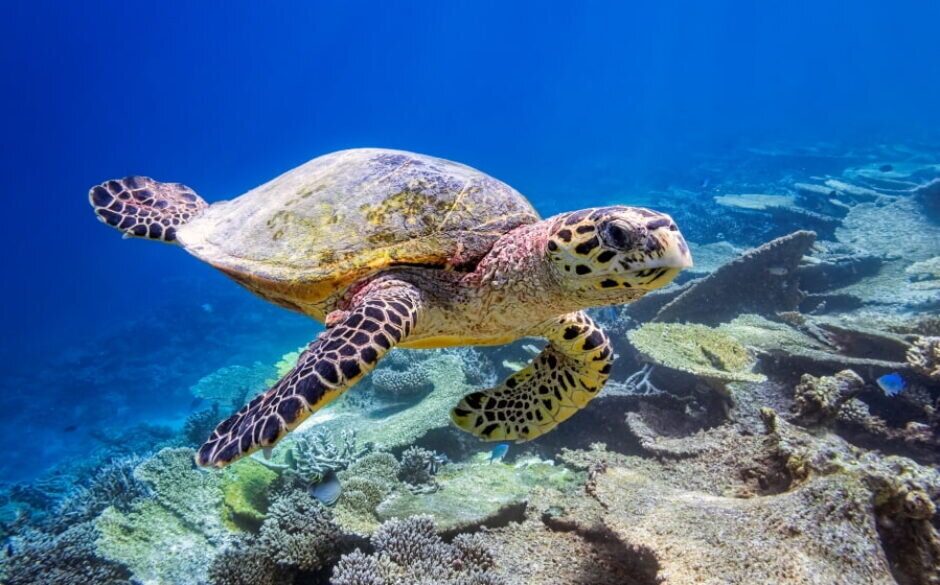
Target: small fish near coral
[
  {"x": 498, "y": 452},
  {"x": 393, "y": 286},
  {"x": 891, "y": 384},
  {"x": 328, "y": 489}
]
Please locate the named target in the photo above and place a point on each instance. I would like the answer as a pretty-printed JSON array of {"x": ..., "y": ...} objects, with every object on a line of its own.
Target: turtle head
[{"x": 613, "y": 255}]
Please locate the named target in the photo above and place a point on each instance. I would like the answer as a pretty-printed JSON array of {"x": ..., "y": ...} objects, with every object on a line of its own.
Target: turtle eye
[{"x": 618, "y": 235}]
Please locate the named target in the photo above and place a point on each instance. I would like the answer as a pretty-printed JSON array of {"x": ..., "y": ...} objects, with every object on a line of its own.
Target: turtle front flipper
[
  {"x": 332, "y": 363},
  {"x": 143, "y": 208},
  {"x": 569, "y": 372}
]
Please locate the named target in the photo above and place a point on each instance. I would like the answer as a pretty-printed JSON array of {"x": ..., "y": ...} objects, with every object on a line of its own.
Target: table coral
[
  {"x": 762, "y": 280},
  {"x": 232, "y": 385},
  {"x": 695, "y": 349}
]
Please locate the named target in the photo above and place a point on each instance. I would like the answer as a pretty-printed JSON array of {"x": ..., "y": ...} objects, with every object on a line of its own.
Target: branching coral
[
  {"x": 409, "y": 552},
  {"x": 66, "y": 559},
  {"x": 246, "y": 563},
  {"x": 313, "y": 454},
  {"x": 477, "y": 368},
  {"x": 639, "y": 381},
  {"x": 365, "y": 484},
  {"x": 411, "y": 382},
  {"x": 924, "y": 357},
  {"x": 419, "y": 466},
  {"x": 298, "y": 532},
  {"x": 818, "y": 400},
  {"x": 199, "y": 425},
  {"x": 113, "y": 485}
]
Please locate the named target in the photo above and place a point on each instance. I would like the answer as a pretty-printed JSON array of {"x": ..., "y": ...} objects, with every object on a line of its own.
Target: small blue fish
[
  {"x": 499, "y": 451},
  {"x": 891, "y": 384},
  {"x": 328, "y": 489}
]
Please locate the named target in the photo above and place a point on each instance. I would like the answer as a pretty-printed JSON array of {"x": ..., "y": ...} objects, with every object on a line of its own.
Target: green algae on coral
[
  {"x": 695, "y": 349},
  {"x": 245, "y": 494}
]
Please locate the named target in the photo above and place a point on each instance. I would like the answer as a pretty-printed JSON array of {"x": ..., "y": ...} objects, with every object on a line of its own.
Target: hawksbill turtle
[{"x": 390, "y": 248}]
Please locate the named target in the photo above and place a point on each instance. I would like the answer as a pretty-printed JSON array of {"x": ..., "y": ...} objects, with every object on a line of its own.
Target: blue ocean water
[{"x": 573, "y": 104}]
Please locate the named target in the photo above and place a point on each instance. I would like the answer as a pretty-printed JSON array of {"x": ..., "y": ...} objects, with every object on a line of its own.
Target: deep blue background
[{"x": 224, "y": 95}]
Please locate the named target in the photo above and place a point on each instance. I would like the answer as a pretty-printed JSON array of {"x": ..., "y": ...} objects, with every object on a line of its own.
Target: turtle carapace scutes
[{"x": 389, "y": 248}]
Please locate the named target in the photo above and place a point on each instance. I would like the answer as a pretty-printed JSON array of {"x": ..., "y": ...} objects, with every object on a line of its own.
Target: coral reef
[
  {"x": 819, "y": 400},
  {"x": 245, "y": 492},
  {"x": 477, "y": 493},
  {"x": 365, "y": 484},
  {"x": 154, "y": 543},
  {"x": 299, "y": 533},
  {"x": 804, "y": 349},
  {"x": 230, "y": 386},
  {"x": 418, "y": 467},
  {"x": 756, "y": 509},
  {"x": 409, "y": 552},
  {"x": 192, "y": 494},
  {"x": 200, "y": 424},
  {"x": 924, "y": 357},
  {"x": 399, "y": 377},
  {"x": 692, "y": 485},
  {"x": 246, "y": 563},
  {"x": 900, "y": 495},
  {"x": 113, "y": 485},
  {"x": 315, "y": 453},
  {"x": 64, "y": 559}
]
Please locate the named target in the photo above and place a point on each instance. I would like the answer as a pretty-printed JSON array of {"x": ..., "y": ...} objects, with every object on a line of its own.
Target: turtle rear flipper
[{"x": 143, "y": 208}]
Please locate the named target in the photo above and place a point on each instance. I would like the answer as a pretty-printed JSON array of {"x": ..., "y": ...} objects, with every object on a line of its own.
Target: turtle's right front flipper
[
  {"x": 334, "y": 362},
  {"x": 143, "y": 208}
]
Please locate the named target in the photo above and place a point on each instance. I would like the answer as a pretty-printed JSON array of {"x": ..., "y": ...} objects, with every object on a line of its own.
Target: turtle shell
[{"x": 309, "y": 233}]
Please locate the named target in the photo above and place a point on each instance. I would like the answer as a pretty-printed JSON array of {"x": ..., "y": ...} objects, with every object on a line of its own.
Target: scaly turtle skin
[{"x": 391, "y": 248}]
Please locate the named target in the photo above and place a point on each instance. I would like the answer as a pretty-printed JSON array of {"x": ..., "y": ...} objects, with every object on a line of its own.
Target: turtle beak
[
  {"x": 667, "y": 255},
  {"x": 675, "y": 251}
]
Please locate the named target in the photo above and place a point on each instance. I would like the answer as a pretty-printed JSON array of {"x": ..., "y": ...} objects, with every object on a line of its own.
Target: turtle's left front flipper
[
  {"x": 335, "y": 361},
  {"x": 569, "y": 372}
]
